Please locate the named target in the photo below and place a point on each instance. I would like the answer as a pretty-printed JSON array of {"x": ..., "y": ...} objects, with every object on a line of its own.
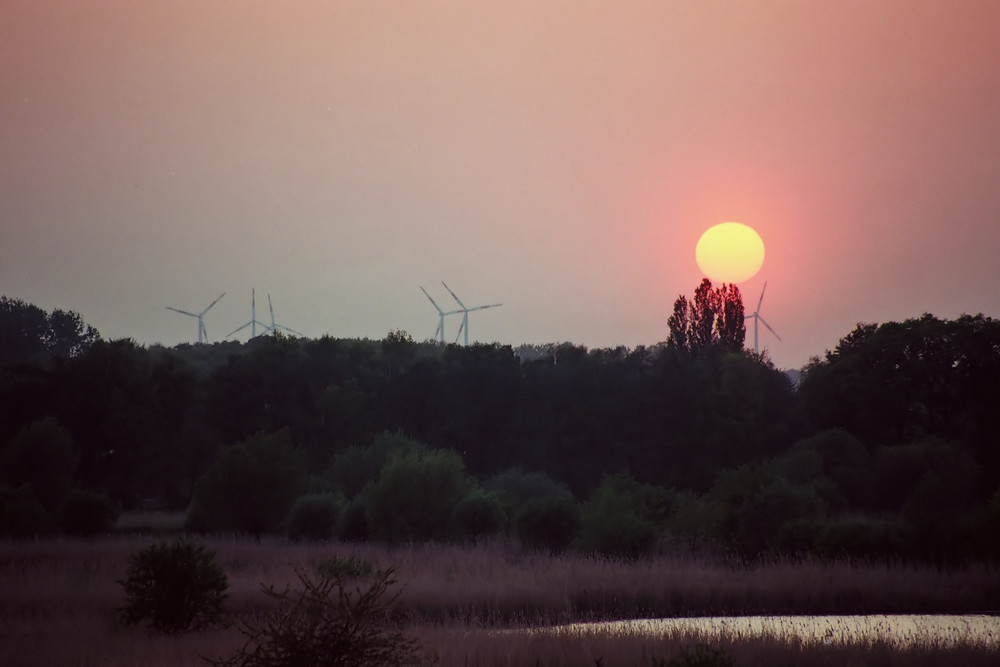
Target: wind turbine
[
  {"x": 202, "y": 331},
  {"x": 757, "y": 318},
  {"x": 275, "y": 327},
  {"x": 439, "y": 334},
  {"x": 253, "y": 318},
  {"x": 465, "y": 314}
]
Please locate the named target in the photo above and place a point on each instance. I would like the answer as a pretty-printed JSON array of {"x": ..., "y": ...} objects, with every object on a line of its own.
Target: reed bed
[{"x": 467, "y": 605}]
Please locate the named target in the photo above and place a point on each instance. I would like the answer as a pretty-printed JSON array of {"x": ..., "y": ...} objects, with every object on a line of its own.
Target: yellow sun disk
[{"x": 730, "y": 252}]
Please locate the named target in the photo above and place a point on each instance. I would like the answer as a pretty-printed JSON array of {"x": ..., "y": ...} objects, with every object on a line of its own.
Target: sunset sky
[{"x": 561, "y": 157}]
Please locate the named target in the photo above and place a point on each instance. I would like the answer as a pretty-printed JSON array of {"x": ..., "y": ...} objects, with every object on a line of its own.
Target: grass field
[{"x": 469, "y": 605}]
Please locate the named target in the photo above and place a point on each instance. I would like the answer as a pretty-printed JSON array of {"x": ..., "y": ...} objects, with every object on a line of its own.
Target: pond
[{"x": 899, "y": 630}]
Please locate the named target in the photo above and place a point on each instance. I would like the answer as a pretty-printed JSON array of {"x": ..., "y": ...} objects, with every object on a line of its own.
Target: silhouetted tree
[
  {"x": 415, "y": 495},
  {"x": 714, "y": 316},
  {"x": 679, "y": 324},
  {"x": 43, "y": 458},
  {"x": 702, "y": 317},
  {"x": 251, "y": 486},
  {"x": 730, "y": 318}
]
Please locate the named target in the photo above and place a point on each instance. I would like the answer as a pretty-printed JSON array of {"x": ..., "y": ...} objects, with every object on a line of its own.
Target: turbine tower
[
  {"x": 202, "y": 331},
  {"x": 757, "y": 318},
  {"x": 439, "y": 334},
  {"x": 253, "y": 318},
  {"x": 465, "y": 314},
  {"x": 274, "y": 326}
]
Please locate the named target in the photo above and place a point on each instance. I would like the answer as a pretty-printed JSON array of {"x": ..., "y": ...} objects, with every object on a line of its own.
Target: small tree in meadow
[
  {"x": 415, "y": 496},
  {"x": 173, "y": 588},
  {"x": 326, "y": 623},
  {"x": 88, "y": 514},
  {"x": 479, "y": 515},
  {"x": 313, "y": 517},
  {"x": 549, "y": 524},
  {"x": 250, "y": 487},
  {"x": 622, "y": 517}
]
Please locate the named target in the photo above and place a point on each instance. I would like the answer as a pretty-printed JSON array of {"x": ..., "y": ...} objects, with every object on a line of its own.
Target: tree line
[{"x": 886, "y": 446}]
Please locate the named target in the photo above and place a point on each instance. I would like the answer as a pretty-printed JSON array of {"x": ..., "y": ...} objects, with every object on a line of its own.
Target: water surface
[{"x": 900, "y": 630}]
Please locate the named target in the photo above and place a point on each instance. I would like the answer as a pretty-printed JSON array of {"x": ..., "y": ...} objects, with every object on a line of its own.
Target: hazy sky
[{"x": 562, "y": 157}]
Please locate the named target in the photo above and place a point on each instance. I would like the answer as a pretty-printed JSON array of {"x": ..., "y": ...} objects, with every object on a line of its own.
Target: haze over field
[{"x": 560, "y": 157}]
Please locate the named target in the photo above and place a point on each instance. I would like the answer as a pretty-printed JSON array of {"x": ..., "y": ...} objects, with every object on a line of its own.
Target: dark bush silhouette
[
  {"x": 87, "y": 514},
  {"x": 250, "y": 487},
  {"x": 173, "y": 588},
  {"x": 415, "y": 496},
  {"x": 353, "y": 524},
  {"x": 42, "y": 457},
  {"x": 21, "y": 515},
  {"x": 313, "y": 518},
  {"x": 326, "y": 623},
  {"x": 623, "y": 518},
  {"x": 549, "y": 524},
  {"x": 345, "y": 568},
  {"x": 479, "y": 515}
]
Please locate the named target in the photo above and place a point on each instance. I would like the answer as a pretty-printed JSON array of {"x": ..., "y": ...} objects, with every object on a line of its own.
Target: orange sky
[{"x": 560, "y": 157}]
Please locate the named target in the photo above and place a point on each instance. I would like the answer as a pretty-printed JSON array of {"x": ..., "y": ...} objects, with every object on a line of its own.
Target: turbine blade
[
  {"x": 182, "y": 312},
  {"x": 492, "y": 305},
  {"x": 761, "y": 300},
  {"x": 434, "y": 303},
  {"x": 271, "y": 308},
  {"x": 453, "y": 296},
  {"x": 461, "y": 327},
  {"x": 238, "y": 330},
  {"x": 764, "y": 322},
  {"x": 213, "y": 303}
]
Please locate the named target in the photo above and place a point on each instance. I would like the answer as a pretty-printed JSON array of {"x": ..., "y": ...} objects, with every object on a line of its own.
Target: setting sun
[{"x": 730, "y": 252}]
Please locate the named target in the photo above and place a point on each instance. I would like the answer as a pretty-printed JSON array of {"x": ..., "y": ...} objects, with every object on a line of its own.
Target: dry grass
[{"x": 59, "y": 597}]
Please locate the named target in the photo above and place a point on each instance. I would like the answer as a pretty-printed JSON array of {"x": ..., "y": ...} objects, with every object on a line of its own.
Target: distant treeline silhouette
[{"x": 891, "y": 438}]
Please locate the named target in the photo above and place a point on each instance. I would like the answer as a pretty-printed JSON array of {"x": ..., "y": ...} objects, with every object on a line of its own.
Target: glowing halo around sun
[{"x": 730, "y": 252}]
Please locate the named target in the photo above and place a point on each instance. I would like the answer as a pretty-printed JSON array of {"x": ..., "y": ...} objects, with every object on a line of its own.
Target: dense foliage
[
  {"x": 173, "y": 588},
  {"x": 328, "y": 623},
  {"x": 888, "y": 446}
]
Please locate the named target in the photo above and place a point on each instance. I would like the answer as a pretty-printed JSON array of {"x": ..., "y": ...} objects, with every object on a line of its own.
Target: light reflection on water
[{"x": 899, "y": 630}]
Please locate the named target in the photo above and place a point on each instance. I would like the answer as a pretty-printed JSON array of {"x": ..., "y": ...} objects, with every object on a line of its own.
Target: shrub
[
  {"x": 548, "y": 523},
  {"x": 251, "y": 485},
  {"x": 345, "y": 568},
  {"x": 860, "y": 537},
  {"x": 353, "y": 524},
  {"x": 42, "y": 457},
  {"x": 313, "y": 517},
  {"x": 621, "y": 517},
  {"x": 326, "y": 624},
  {"x": 354, "y": 467},
  {"x": 87, "y": 514},
  {"x": 415, "y": 496},
  {"x": 479, "y": 515},
  {"x": 515, "y": 487},
  {"x": 173, "y": 588},
  {"x": 763, "y": 517},
  {"x": 21, "y": 515}
]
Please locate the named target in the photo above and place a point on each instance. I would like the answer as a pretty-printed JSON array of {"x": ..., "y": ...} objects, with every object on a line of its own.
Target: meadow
[{"x": 474, "y": 605}]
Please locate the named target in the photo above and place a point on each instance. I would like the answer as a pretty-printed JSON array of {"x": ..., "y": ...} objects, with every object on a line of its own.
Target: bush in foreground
[
  {"x": 326, "y": 624},
  {"x": 173, "y": 588}
]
